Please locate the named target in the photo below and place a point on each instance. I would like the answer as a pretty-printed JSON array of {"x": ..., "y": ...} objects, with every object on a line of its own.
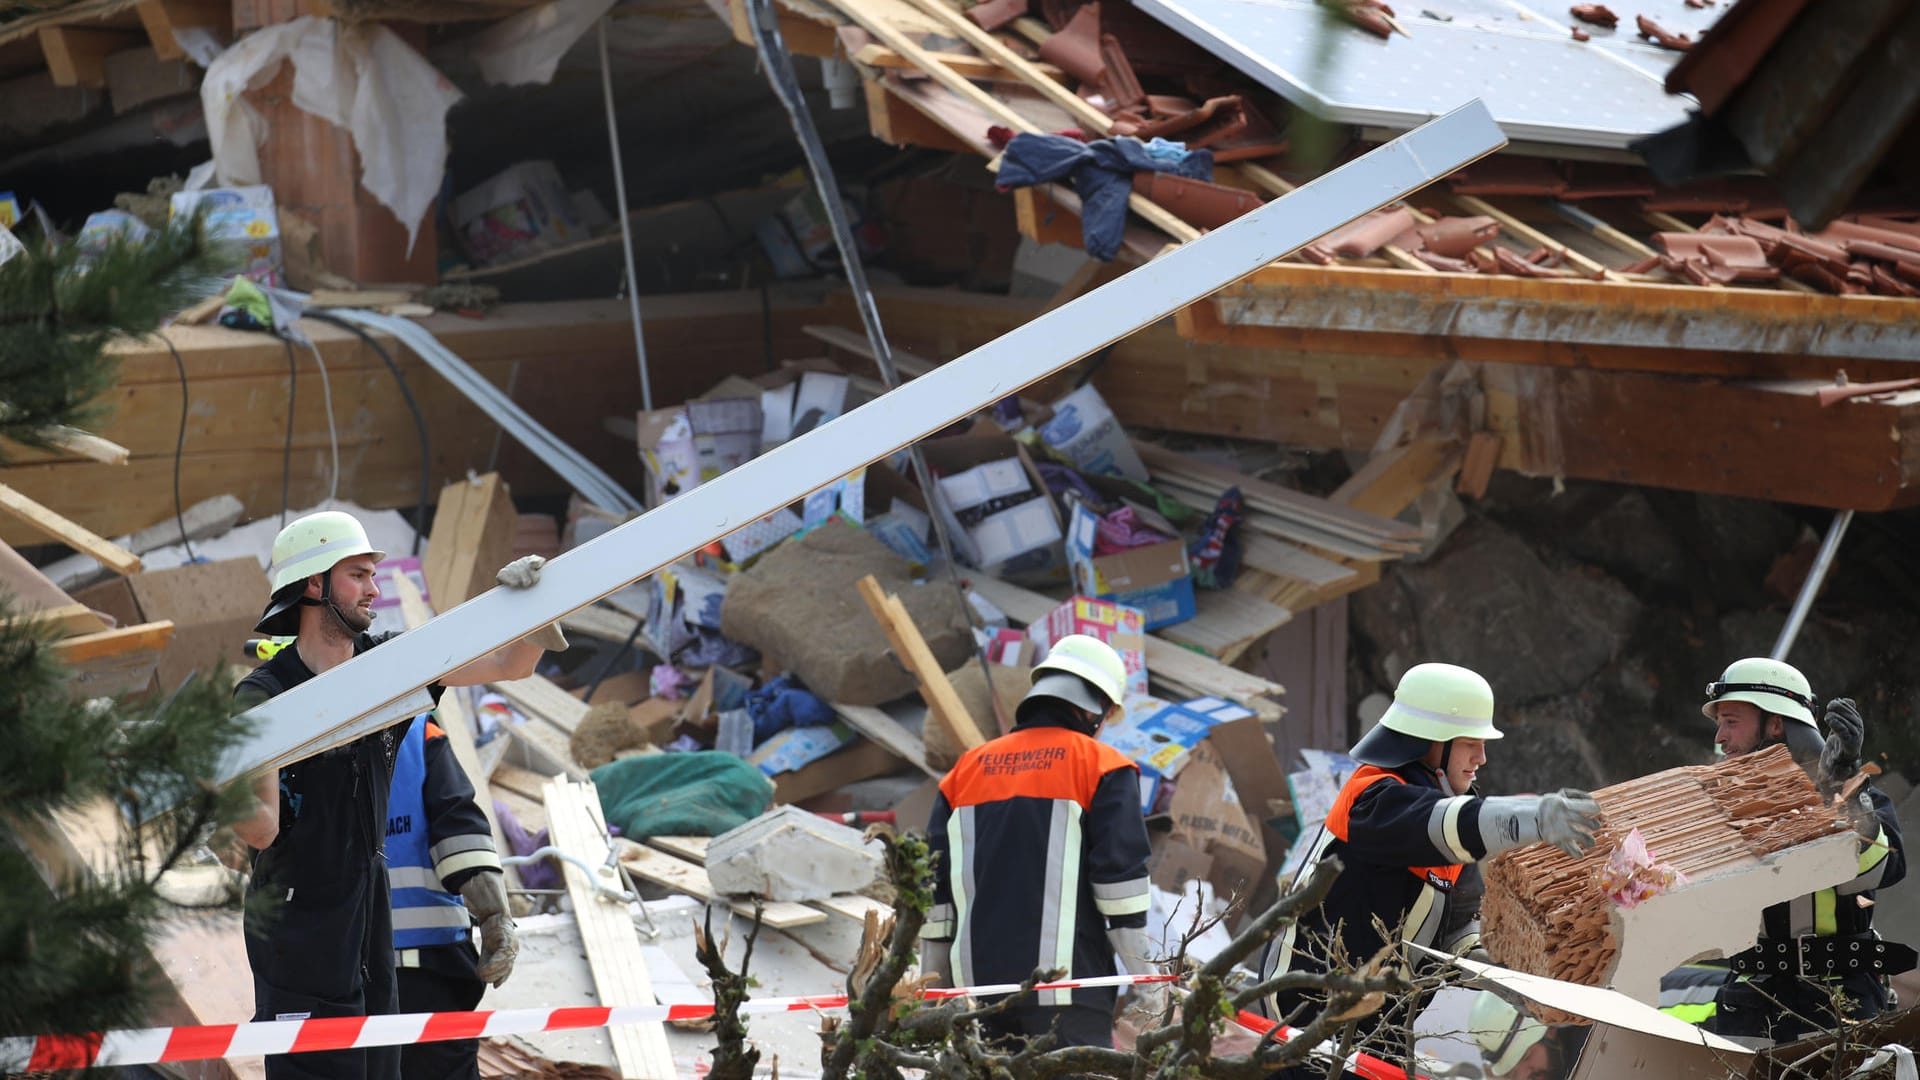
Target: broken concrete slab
[
  {"x": 1746, "y": 832},
  {"x": 791, "y": 854}
]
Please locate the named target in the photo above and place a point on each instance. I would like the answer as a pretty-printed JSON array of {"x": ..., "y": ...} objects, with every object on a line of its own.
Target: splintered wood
[{"x": 1547, "y": 913}]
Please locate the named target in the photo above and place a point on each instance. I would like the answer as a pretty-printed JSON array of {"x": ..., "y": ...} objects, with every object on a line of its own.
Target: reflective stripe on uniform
[
  {"x": 454, "y": 845},
  {"x": 960, "y": 853},
  {"x": 426, "y": 918},
  {"x": 1280, "y": 949},
  {"x": 1429, "y": 910},
  {"x": 939, "y": 924},
  {"x": 411, "y": 877},
  {"x": 1825, "y": 922},
  {"x": 1060, "y": 896},
  {"x": 1443, "y": 828},
  {"x": 466, "y": 860},
  {"x": 1122, "y": 897},
  {"x": 1873, "y": 866}
]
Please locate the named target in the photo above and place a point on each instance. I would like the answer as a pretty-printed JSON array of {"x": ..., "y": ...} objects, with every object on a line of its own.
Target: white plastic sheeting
[
  {"x": 361, "y": 78},
  {"x": 527, "y": 47}
]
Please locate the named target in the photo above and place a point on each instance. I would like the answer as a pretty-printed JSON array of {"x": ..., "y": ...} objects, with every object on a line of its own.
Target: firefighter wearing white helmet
[
  {"x": 1822, "y": 947},
  {"x": 1406, "y": 828},
  {"x": 319, "y": 932},
  {"x": 1039, "y": 845},
  {"x": 1516, "y": 1046}
]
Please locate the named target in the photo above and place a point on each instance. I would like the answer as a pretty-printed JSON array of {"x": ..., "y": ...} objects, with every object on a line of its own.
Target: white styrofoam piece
[
  {"x": 1720, "y": 915},
  {"x": 791, "y": 854},
  {"x": 330, "y": 709}
]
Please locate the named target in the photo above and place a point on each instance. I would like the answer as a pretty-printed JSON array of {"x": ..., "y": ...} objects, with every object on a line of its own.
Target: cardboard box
[
  {"x": 681, "y": 597},
  {"x": 1090, "y": 436},
  {"x": 1153, "y": 579},
  {"x": 665, "y": 438},
  {"x": 521, "y": 210},
  {"x": 244, "y": 217},
  {"x": 1122, "y": 627},
  {"x": 1209, "y": 815},
  {"x": 213, "y": 607},
  {"x": 973, "y": 469},
  {"x": 726, "y": 433}
]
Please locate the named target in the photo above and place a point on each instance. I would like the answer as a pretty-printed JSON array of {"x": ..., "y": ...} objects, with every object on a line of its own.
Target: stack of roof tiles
[{"x": 1548, "y": 914}]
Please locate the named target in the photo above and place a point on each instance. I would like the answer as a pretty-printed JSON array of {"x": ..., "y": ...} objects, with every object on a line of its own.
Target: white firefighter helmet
[
  {"x": 1773, "y": 686},
  {"x": 1434, "y": 703}
]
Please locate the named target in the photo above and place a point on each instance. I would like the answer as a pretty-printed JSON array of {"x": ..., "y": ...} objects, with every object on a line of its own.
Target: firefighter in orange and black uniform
[
  {"x": 1040, "y": 855},
  {"x": 1406, "y": 824}
]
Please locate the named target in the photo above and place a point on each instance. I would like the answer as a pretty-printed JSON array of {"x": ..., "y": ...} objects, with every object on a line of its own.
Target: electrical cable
[
  {"x": 419, "y": 420},
  {"x": 286, "y": 453},
  {"x": 179, "y": 446},
  {"x": 333, "y": 436},
  {"x": 778, "y": 64}
]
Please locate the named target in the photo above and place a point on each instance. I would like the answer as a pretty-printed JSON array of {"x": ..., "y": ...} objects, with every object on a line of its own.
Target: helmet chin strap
[{"x": 326, "y": 601}]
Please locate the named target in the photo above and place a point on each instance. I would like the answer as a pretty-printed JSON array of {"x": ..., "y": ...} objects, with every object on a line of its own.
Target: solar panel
[{"x": 1518, "y": 56}]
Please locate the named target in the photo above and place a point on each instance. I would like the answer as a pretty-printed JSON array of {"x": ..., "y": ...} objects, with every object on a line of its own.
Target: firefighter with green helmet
[
  {"x": 1407, "y": 824},
  {"x": 1820, "y": 947},
  {"x": 319, "y": 925}
]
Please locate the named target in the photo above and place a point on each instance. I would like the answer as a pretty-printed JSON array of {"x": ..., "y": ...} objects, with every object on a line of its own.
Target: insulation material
[
  {"x": 1744, "y": 833},
  {"x": 361, "y": 78}
]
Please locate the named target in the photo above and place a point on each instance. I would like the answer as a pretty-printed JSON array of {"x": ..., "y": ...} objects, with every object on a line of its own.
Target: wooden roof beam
[
  {"x": 162, "y": 17},
  {"x": 1631, "y": 326},
  {"x": 77, "y": 56}
]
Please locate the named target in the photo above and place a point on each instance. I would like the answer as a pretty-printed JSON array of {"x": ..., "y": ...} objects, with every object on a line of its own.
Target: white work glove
[
  {"x": 521, "y": 573},
  {"x": 485, "y": 894},
  {"x": 1566, "y": 819},
  {"x": 1145, "y": 1003},
  {"x": 524, "y": 573}
]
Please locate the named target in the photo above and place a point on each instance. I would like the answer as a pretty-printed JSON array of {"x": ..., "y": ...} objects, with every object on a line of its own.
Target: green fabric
[
  {"x": 704, "y": 793},
  {"x": 246, "y": 296}
]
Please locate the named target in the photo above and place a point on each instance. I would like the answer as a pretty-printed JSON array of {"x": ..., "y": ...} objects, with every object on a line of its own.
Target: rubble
[
  {"x": 1745, "y": 833},
  {"x": 790, "y": 854}
]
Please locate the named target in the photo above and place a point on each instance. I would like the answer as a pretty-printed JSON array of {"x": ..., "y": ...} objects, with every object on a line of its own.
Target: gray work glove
[
  {"x": 1145, "y": 1003},
  {"x": 524, "y": 573},
  {"x": 1566, "y": 819},
  {"x": 521, "y": 573},
  {"x": 1846, "y": 731},
  {"x": 485, "y": 894}
]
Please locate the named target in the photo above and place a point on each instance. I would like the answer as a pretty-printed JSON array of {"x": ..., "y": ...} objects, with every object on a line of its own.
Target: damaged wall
[{"x": 1600, "y": 613}]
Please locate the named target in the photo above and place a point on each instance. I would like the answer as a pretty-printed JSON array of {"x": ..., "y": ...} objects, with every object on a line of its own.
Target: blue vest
[{"x": 424, "y": 913}]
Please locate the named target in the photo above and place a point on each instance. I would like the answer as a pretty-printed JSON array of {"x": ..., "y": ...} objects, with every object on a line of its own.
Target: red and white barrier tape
[
  {"x": 1357, "y": 1063},
  {"x": 149, "y": 1046}
]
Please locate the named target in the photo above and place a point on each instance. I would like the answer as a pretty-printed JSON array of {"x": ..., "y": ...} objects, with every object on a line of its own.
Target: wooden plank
[
  {"x": 878, "y": 727},
  {"x": 66, "y": 620},
  {"x": 110, "y": 554},
  {"x": 472, "y": 538},
  {"x": 151, "y": 636},
  {"x": 862, "y": 12},
  {"x": 911, "y": 649},
  {"x": 1520, "y": 229},
  {"x": 685, "y": 877},
  {"x": 607, "y": 931},
  {"x": 1275, "y": 498},
  {"x": 973, "y": 67},
  {"x": 601, "y": 622},
  {"x": 526, "y": 783},
  {"x": 1170, "y": 663},
  {"x": 87, "y": 445},
  {"x": 1389, "y": 483},
  {"x": 1226, "y": 622},
  {"x": 1201, "y": 497},
  {"x": 161, "y": 18},
  {"x": 77, "y": 56},
  {"x": 547, "y": 744},
  {"x": 1281, "y": 559},
  {"x": 1476, "y": 469},
  {"x": 896, "y": 122},
  {"x": 541, "y": 701}
]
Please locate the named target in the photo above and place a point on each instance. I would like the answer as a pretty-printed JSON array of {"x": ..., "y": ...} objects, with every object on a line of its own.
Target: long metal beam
[{"x": 343, "y": 703}]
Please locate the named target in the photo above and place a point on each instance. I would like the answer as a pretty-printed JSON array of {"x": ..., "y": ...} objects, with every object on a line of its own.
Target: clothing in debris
[
  {"x": 319, "y": 930},
  {"x": 1039, "y": 846},
  {"x": 1101, "y": 173}
]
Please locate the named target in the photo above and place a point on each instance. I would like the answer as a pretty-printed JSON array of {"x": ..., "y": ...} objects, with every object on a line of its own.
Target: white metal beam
[{"x": 356, "y": 697}]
